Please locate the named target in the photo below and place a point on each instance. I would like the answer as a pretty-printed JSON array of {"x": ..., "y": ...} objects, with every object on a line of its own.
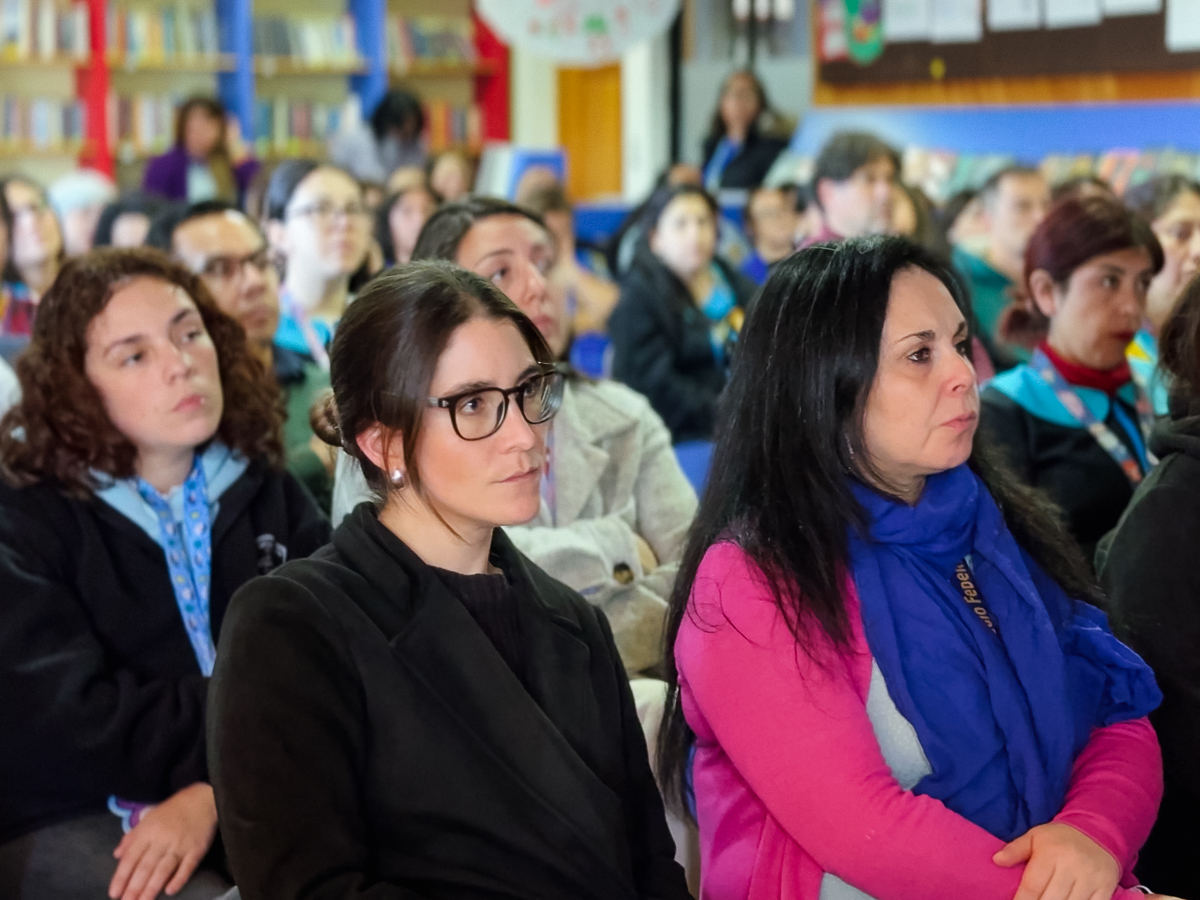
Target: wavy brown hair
[{"x": 60, "y": 432}]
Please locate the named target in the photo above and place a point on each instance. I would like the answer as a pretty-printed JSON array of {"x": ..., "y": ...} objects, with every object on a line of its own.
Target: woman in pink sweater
[{"x": 889, "y": 678}]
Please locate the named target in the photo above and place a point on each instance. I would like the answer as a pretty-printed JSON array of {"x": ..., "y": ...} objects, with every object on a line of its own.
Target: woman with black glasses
[{"x": 420, "y": 711}]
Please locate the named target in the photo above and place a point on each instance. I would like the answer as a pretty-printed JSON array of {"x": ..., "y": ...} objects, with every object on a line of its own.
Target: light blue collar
[
  {"x": 222, "y": 467},
  {"x": 1024, "y": 386}
]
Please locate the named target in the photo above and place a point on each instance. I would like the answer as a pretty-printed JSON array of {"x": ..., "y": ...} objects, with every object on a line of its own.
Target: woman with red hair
[{"x": 1072, "y": 420}]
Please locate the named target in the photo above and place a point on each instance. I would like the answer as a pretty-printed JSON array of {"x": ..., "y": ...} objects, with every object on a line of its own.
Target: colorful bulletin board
[{"x": 1037, "y": 49}]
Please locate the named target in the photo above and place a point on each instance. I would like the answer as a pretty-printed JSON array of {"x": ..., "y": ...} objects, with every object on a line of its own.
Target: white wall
[
  {"x": 534, "y": 99},
  {"x": 645, "y": 116}
]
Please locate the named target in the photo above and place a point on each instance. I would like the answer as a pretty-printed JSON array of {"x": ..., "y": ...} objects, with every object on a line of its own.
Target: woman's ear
[
  {"x": 384, "y": 447},
  {"x": 1044, "y": 291}
]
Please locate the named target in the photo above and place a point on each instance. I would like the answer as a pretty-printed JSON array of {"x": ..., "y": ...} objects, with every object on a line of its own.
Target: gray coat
[{"x": 615, "y": 477}]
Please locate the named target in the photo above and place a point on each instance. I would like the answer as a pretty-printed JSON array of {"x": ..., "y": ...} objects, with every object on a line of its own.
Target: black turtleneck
[{"x": 489, "y": 599}]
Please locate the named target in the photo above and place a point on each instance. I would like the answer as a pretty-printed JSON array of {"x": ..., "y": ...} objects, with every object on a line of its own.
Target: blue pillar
[
  {"x": 236, "y": 23},
  {"x": 370, "y": 21}
]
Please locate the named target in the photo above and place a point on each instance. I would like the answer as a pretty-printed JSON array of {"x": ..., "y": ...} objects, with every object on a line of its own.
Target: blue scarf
[{"x": 1002, "y": 717}]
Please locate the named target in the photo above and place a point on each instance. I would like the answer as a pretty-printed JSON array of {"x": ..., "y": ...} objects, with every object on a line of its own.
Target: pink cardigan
[{"x": 790, "y": 781}]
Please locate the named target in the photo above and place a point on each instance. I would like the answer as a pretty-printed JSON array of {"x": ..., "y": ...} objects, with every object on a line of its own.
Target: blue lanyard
[
  {"x": 188, "y": 547},
  {"x": 1134, "y": 469}
]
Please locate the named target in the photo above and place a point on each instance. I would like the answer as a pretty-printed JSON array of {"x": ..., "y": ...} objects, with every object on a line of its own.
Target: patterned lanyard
[
  {"x": 549, "y": 489},
  {"x": 1104, "y": 435},
  {"x": 189, "y": 559},
  {"x": 316, "y": 347}
]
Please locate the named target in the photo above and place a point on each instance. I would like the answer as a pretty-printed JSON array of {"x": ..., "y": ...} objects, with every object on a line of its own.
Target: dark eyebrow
[
  {"x": 471, "y": 386},
  {"x": 919, "y": 335},
  {"x": 134, "y": 338},
  {"x": 502, "y": 250}
]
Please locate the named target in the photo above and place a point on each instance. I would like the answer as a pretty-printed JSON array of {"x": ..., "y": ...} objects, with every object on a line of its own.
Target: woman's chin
[{"x": 519, "y": 511}]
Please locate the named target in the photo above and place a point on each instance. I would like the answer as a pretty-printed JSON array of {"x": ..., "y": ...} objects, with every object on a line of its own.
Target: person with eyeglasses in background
[
  {"x": 422, "y": 711},
  {"x": 35, "y": 252},
  {"x": 320, "y": 228},
  {"x": 227, "y": 249},
  {"x": 1171, "y": 205}
]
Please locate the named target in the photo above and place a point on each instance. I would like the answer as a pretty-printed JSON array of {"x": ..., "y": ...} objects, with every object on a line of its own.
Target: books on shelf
[
  {"x": 414, "y": 41},
  {"x": 311, "y": 41},
  {"x": 40, "y": 123},
  {"x": 141, "y": 124},
  {"x": 448, "y": 125},
  {"x": 169, "y": 34},
  {"x": 287, "y": 127},
  {"x": 43, "y": 29}
]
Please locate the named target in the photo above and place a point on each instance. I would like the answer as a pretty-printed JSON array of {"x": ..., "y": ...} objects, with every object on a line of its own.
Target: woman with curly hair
[{"x": 141, "y": 486}]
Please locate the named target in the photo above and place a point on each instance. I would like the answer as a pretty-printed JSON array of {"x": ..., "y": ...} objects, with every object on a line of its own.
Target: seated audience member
[
  {"x": 1153, "y": 596},
  {"x": 854, "y": 521},
  {"x": 580, "y": 274},
  {"x": 126, "y": 222},
  {"x": 1171, "y": 204},
  {"x": 1072, "y": 421},
  {"x": 451, "y": 175},
  {"x": 78, "y": 199},
  {"x": 913, "y": 217},
  {"x": 615, "y": 505},
  {"x": 228, "y": 251},
  {"x": 1081, "y": 187},
  {"x": 679, "y": 314},
  {"x": 399, "y": 220},
  {"x": 35, "y": 248},
  {"x": 623, "y": 245},
  {"x": 390, "y": 140},
  {"x": 1014, "y": 201},
  {"x": 140, "y": 488},
  {"x": 737, "y": 153},
  {"x": 771, "y": 221},
  {"x": 852, "y": 184},
  {"x": 963, "y": 222},
  {"x": 208, "y": 161},
  {"x": 419, "y": 710},
  {"x": 320, "y": 229}
]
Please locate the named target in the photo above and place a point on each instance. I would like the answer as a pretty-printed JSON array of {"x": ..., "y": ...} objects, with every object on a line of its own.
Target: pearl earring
[{"x": 397, "y": 478}]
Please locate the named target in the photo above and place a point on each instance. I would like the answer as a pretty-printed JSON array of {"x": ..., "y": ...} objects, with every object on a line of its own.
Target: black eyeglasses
[
  {"x": 478, "y": 414},
  {"x": 227, "y": 268}
]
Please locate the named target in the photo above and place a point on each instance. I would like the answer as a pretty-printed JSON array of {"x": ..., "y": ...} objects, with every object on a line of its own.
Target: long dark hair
[
  {"x": 387, "y": 346},
  {"x": 218, "y": 160},
  {"x": 790, "y": 436},
  {"x": 716, "y": 128}
]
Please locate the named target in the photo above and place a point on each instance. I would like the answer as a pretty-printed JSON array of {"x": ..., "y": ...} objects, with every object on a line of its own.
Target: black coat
[
  {"x": 1149, "y": 570},
  {"x": 368, "y": 740},
  {"x": 1067, "y": 463},
  {"x": 751, "y": 164},
  {"x": 100, "y": 691},
  {"x": 662, "y": 349}
]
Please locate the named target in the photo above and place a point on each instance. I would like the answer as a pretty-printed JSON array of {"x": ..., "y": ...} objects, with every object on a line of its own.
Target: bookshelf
[
  {"x": 433, "y": 52},
  {"x": 95, "y": 82},
  {"x": 42, "y": 124}
]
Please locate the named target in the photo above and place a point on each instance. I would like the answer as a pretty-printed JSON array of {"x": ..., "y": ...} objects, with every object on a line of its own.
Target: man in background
[
  {"x": 1014, "y": 202},
  {"x": 227, "y": 250},
  {"x": 852, "y": 185}
]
